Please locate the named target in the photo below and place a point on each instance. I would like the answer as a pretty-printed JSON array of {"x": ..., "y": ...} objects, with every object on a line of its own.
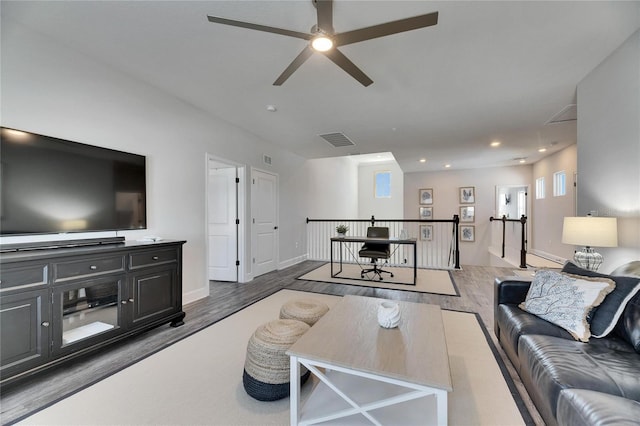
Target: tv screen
[{"x": 50, "y": 185}]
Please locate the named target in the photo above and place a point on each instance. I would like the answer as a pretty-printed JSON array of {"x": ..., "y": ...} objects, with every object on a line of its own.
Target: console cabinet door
[
  {"x": 87, "y": 312},
  {"x": 153, "y": 294},
  {"x": 24, "y": 335}
]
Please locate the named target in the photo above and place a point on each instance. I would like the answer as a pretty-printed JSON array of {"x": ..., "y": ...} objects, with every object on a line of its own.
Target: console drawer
[
  {"x": 96, "y": 266},
  {"x": 152, "y": 257},
  {"x": 23, "y": 276}
]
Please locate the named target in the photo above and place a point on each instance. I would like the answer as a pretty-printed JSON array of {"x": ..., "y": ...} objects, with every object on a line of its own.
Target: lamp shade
[{"x": 590, "y": 231}]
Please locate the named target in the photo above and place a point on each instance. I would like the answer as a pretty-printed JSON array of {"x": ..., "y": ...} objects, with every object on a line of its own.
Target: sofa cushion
[
  {"x": 566, "y": 300},
  {"x": 629, "y": 324},
  {"x": 604, "y": 319},
  {"x": 580, "y": 407},
  {"x": 514, "y": 322},
  {"x": 550, "y": 364}
]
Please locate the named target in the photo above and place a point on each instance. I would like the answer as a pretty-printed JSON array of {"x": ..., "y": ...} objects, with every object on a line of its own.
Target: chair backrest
[{"x": 377, "y": 232}]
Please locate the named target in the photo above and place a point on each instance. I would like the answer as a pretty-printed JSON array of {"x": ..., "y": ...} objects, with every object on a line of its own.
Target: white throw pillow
[{"x": 566, "y": 300}]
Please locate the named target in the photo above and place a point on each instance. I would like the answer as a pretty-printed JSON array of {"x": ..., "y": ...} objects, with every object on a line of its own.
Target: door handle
[{"x": 275, "y": 227}]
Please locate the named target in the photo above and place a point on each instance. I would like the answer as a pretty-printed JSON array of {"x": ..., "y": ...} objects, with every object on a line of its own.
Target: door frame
[
  {"x": 254, "y": 242},
  {"x": 241, "y": 211}
]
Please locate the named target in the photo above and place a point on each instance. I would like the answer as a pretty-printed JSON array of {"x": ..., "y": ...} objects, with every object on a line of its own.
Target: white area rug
[
  {"x": 198, "y": 380},
  {"x": 428, "y": 280}
]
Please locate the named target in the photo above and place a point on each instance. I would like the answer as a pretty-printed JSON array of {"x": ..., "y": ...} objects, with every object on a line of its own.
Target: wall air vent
[
  {"x": 266, "y": 159},
  {"x": 337, "y": 139},
  {"x": 568, "y": 113}
]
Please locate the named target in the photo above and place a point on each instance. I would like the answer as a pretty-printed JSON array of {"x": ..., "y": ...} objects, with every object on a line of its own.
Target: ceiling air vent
[
  {"x": 568, "y": 113},
  {"x": 337, "y": 139}
]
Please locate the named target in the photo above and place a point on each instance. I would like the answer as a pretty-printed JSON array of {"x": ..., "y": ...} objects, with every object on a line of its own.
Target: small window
[
  {"x": 383, "y": 185},
  {"x": 540, "y": 188},
  {"x": 559, "y": 184}
]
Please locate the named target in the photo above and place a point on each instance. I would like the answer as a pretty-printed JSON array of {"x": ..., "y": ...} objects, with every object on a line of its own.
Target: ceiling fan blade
[
  {"x": 258, "y": 27},
  {"x": 299, "y": 60},
  {"x": 386, "y": 29},
  {"x": 343, "y": 62},
  {"x": 325, "y": 15}
]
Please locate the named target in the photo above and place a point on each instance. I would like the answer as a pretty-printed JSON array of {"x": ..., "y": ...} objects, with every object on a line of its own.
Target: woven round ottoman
[
  {"x": 306, "y": 310},
  {"x": 266, "y": 367}
]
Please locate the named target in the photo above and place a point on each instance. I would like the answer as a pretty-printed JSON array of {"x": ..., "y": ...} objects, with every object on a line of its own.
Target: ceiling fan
[{"x": 325, "y": 40}]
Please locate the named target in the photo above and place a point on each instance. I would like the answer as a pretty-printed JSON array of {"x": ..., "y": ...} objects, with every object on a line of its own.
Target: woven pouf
[
  {"x": 306, "y": 310},
  {"x": 266, "y": 367}
]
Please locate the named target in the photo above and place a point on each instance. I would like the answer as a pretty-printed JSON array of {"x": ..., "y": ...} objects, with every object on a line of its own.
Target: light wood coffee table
[{"x": 369, "y": 370}]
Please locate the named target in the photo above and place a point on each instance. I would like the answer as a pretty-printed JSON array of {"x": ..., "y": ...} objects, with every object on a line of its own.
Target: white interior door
[
  {"x": 264, "y": 195},
  {"x": 222, "y": 215}
]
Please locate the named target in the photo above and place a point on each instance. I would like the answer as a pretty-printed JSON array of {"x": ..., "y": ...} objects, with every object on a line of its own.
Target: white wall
[
  {"x": 50, "y": 89},
  {"x": 381, "y": 208},
  {"x": 332, "y": 188},
  {"x": 609, "y": 148},
  {"x": 548, "y": 213},
  {"x": 446, "y": 201}
]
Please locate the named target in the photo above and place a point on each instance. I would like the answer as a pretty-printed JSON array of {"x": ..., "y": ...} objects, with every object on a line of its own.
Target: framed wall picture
[
  {"x": 426, "y": 232},
  {"x": 467, "y": 214},
  {"x": 468, "y": 233},
  {"x": 467, "y": 195},
  {"x": 426, "y": 212},
  {"x": 426, "y": 196}
]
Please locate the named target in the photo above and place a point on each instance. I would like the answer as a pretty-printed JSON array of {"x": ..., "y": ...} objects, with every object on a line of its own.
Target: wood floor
[{"x": 475, "y": 284}]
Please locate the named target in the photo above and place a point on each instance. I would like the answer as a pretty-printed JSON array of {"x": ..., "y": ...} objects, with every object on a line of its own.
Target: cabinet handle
[
  {"x": 124, "y": 302},
  {"x": 93, "y": 267},
  {"x": 155, "y": 257},
  {"x": 45, "y": 324}
]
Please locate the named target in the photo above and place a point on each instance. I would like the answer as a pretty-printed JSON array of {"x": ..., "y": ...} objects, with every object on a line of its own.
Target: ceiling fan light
[{"x": 322, "y": 43}]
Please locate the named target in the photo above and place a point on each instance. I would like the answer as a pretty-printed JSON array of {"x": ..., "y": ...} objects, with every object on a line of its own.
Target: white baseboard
[
  {"x": 194, "y": 295},
  {"x": 292, "y": 261},
  {"x": 548, "y": 256}
]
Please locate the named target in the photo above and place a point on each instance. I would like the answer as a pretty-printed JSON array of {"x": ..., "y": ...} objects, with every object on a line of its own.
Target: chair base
[{"x": 376, "y": 271}]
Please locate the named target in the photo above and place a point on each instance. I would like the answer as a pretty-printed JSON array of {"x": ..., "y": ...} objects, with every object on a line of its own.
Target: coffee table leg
[
  {"x": 294, "y": 391},
  {"x": 441, "y": 409}
]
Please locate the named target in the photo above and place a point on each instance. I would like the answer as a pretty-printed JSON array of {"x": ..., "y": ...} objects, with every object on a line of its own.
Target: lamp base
[{"x": 588, "y": 259}]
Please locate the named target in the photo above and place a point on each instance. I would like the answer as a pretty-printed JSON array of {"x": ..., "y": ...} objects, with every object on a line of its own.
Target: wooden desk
[
  {"x": 370, "y": 369},
  {"x": 407, "y": 241}
]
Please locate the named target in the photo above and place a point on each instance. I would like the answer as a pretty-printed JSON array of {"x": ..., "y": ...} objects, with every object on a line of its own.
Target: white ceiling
[{"x": 487, "y": 71}]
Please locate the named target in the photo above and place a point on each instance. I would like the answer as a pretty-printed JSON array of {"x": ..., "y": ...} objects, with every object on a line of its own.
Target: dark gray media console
[{"x": 64, "y": 301}]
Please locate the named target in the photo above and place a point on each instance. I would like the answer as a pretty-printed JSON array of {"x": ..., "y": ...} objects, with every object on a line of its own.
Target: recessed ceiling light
[
  {"x": 495, "y": 144},
  {"x": 271, "y": 108},
  {"x": 16, "y": 133},
  {"x": 447, "y": 166},
  {"x": 423, "y": 160},
  {"x": 522, "y": 160},
  {"x": 542, "y": 149}
]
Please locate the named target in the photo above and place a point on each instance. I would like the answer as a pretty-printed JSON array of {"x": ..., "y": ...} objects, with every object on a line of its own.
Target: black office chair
[{"x": 376, "y": 251}]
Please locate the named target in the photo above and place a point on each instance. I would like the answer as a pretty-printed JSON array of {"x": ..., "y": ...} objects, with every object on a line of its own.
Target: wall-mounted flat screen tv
[{"x": 50, "y": 185}]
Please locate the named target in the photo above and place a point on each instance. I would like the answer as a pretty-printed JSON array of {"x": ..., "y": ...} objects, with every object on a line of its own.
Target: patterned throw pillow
[
  {"x": 607, "y": 315},
  {"x": 566, "y": 300}
]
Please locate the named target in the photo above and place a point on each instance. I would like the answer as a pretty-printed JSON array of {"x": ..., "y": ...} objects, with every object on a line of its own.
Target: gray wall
[
  {"x": 609, "y": 148},
  {"x": 548, "y": 213},
  {"x": 333, "y": 185},
  {"x": 50, "y": 89},
  {"x": 446, "y": 200}
]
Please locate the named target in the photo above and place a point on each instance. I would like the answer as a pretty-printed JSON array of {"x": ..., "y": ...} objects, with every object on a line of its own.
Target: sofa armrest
[
  {"x": 511, "y": 290},
  {"x": 508, "y": 290}
]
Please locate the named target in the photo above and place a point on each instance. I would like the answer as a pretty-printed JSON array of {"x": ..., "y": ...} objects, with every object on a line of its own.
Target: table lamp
[{"x": 590, "y": 232}]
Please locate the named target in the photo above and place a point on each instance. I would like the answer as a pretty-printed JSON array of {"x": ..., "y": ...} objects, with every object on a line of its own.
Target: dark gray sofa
[{"x": 570, "y": 382}]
